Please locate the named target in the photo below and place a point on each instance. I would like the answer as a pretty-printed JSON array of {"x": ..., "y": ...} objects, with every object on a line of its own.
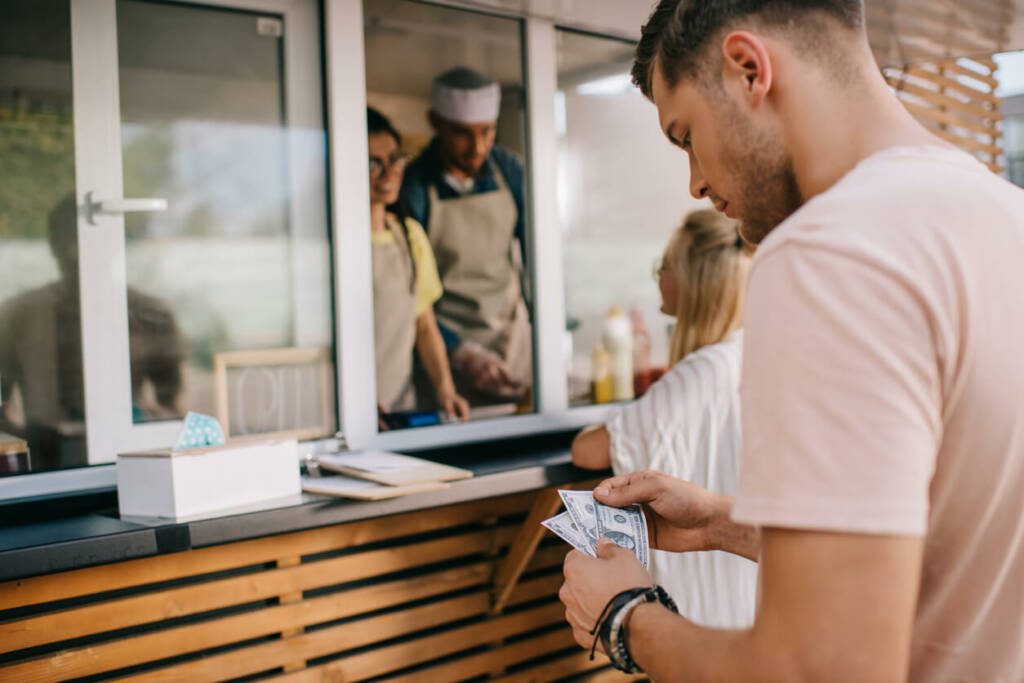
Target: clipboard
[
  {"x": 392, "y": 469},
  {"x": 361, "y": 489}
]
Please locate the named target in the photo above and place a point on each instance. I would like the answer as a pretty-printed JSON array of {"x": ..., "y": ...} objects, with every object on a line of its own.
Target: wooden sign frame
[{"x": 318, "y": 356}]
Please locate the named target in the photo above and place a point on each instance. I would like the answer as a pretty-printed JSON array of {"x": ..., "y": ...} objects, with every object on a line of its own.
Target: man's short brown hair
[{"x": 678, "y": 31}]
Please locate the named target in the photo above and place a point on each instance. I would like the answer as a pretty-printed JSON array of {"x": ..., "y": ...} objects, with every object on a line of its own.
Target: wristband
[{"x": 611, "y": 624}]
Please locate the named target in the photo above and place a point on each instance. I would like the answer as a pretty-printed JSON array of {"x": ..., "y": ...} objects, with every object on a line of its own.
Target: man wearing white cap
[{"x": 468, "y": 192}]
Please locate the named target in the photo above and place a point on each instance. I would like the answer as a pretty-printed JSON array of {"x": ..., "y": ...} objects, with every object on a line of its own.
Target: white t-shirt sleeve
[
  {"x": 841, "y": 395},
  {"x": 645, "y": 434}
]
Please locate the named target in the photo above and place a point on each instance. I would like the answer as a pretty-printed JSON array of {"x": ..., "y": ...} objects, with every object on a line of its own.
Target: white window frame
[
  {"x": 102, "y": 251},
  {"x": 346, "y": 80},
  {"x": 110, "y": 428}
]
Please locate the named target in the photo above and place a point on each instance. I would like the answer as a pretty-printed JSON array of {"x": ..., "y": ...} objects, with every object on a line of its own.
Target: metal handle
[{"x": 110, "y": 206}]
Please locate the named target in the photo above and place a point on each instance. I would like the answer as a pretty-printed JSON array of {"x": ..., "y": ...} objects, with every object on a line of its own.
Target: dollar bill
[
  {"x": 562, "y": 525},
  {"x": 581, "y": 506},
  {"x": 627, "y": 527}
]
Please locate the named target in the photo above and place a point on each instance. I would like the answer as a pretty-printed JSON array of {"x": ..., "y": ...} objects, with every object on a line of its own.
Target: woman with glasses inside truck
[{"x": 405, "y": 286}]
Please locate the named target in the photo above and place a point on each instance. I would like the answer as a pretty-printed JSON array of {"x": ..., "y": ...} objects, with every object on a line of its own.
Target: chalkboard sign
[{"x": 275, "y": 392}]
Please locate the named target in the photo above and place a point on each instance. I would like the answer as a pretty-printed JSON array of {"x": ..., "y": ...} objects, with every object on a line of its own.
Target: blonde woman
[{"x": 688, "y": 422}]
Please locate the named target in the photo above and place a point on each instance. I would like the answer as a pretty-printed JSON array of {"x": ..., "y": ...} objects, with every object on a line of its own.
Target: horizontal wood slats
[
  {"x": 480, "y": 664},
  {"x": 937, "y": 56},
  {"x": 904, "y": 31},
  {"x": 408, "y": 597},
  {"x": 149, "y": 570},
  {"x": 177, "y": 602},
  {"x": 956, "y": 100}
]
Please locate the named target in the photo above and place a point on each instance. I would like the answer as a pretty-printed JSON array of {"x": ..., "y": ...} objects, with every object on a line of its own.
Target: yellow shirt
[{"x": 428, "y": 281}]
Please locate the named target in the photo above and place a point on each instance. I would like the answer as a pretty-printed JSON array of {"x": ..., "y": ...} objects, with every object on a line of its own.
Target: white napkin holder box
[{"x": 177, "y": 484}]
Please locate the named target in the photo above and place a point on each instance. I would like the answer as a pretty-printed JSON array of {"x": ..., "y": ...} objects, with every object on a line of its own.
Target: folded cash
[
  {"x": 562, "y": 525},
  {"x": 585, "y": 520}
]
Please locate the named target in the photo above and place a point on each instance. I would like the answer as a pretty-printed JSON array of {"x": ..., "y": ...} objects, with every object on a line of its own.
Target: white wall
[{"x": 622, "y": 191}]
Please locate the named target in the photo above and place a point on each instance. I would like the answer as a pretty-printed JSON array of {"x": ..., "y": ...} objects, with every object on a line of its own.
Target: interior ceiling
[{"x": 408, "y": 44}]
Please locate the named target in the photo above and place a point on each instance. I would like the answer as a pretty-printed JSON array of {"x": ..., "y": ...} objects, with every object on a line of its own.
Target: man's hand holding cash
[
  {"x": 585, "y": 521},
  {"x": 612, "y": 553}
]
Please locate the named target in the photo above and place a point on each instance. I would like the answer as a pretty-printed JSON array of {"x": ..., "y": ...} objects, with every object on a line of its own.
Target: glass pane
[
  {"x": 43, "y": 400},
  {"x": 622, "y": 190},
  {"x": 451, "y": 297},
  {"x": 240, "y": 261},
  {"x": 1011, "y": 92}
]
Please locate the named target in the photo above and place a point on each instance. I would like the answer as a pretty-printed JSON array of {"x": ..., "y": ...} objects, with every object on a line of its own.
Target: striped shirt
[{"x": 688, "y": 425}]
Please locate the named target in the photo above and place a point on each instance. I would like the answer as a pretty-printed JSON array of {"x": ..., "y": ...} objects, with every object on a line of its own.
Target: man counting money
[{"x": 883, "y": 428}]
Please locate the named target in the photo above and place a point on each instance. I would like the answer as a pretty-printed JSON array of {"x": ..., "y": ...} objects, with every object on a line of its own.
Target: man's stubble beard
[{"x": 766, "y": 179}]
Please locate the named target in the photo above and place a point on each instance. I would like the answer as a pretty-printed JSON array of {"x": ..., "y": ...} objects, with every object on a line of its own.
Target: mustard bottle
[{"x": 600, "y": 376}]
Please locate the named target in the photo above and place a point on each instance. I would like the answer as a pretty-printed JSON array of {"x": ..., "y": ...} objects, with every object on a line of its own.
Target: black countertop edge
[{"x": 101, "y": 537}]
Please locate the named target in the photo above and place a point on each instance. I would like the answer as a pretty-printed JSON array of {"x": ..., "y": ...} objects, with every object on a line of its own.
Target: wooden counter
[{"x": 456, "y": 592}]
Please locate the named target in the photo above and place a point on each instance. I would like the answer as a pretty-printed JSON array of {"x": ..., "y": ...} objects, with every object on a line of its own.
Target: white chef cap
[{"x": 463, "y": 95}]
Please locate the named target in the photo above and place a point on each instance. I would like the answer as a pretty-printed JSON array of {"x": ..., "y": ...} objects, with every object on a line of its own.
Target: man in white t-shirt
[{"x": 882, "y": 480}]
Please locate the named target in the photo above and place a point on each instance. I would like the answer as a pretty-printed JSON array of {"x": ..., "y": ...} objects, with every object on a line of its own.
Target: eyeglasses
[
  {"x": 658, "y": 268},
  {"x": 379, "y": 167}
]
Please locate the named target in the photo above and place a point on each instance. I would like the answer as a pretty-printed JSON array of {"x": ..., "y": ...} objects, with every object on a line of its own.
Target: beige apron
[
  {"x": 394, "y": 320},
  {"x": 480, "y": 264}
]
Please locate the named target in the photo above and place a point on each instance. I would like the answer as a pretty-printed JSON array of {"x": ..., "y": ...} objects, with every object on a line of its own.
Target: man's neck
[{"x": 831, "y": 133}]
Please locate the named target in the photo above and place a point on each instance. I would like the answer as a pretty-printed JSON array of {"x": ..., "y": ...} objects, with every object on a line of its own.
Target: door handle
[{"x": 120, "y": 205}]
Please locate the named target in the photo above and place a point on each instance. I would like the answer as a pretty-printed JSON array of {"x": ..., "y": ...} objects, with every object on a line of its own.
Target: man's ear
[
  {"x": 433, "y": 119},
  {"x": 746, "y": 58}
]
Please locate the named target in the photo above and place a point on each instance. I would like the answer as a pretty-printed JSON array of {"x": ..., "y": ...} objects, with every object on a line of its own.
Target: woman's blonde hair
[{"x": 710, "y": 263}]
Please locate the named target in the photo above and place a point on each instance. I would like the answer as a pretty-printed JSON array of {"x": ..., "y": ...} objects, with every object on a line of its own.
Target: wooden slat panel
[
  {"x": 297, "y": 622},
  {"x": 92, "y": 580},
  {"x": 985, "y": 61},
  {"x": 609, "y": 675},
  {"x": 356, "y": 634},
  {"x": 224, "y": 631},
  {"x": 910, "y": 26},
  {"x": 949, "y": 119},
  {"x": 538, "y": 588},
  {"x": 964, "y": 143},
  {"x": 550, "y": 556},
  {"x": 966, "y": 14},
  {"x": 953, "y": 84},
  {"x": 990, "y": 81},
  {"x": 482, "y": 663},
  {"x": 911, "y": 53},
  {"x": 177, "y": 602},
  {"x": 321, "y": 642},
  {"x": 382, "y": 660},
  {"x": 559, "y": 668},
  {"x": 944, "y": 101}
]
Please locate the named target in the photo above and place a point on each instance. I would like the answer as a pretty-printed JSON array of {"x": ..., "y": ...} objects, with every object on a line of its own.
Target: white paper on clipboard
[
  {"x": 361, "y": 489},
  {"x": 389, "y": 468}
]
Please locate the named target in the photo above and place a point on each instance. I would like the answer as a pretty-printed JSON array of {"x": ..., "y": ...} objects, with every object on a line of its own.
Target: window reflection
[
  {"x": 41, "y": 386},
  {"x": 452, "y": 307},
  {"x": 215, "y": 119},
  {"x": 622, "y": 190}
]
